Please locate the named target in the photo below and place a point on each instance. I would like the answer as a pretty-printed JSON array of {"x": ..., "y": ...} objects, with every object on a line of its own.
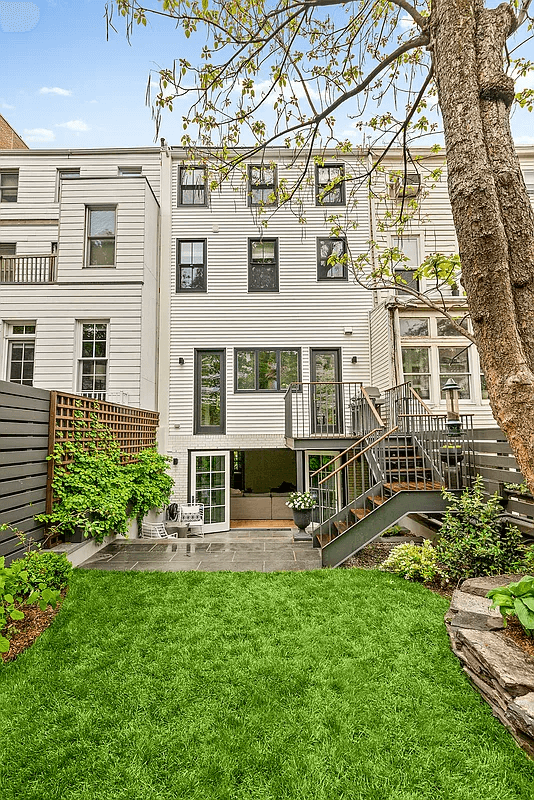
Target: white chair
[
  {"x": 192, "y": 515},
  {"x": 153, "y": 530}
]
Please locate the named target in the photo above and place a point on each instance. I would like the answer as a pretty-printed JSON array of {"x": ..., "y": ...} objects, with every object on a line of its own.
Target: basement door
[{"x": 210, "y": 485}]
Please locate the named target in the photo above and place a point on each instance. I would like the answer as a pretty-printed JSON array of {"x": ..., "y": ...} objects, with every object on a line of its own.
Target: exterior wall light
[
  {"x": 181, "y": 361},
  {"x": 354, "y": 359}
]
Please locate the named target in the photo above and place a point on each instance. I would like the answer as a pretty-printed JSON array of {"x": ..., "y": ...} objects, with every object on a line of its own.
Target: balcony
[
  {"x": 28, "y": 269},
  {"x": 318, "y": 413}
]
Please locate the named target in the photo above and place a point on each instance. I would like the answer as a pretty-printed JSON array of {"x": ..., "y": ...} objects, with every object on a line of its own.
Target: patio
[{"x": 238, "y": 550}]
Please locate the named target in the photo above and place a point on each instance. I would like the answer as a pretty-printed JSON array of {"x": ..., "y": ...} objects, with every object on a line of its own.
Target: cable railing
[{"x": 28, "y": 269}]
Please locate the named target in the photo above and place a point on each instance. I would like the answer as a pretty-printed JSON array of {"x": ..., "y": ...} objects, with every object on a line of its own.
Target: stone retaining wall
[{"x": 501, "y": 671}]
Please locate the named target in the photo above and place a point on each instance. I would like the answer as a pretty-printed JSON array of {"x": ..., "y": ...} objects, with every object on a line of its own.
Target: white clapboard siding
[
  {"x": 382, "y": 371},
  {"x": 305, "y": 313}
]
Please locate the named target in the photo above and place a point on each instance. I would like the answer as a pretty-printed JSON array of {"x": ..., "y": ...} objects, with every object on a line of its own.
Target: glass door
[
  {"x": 329, "y": 493},
  {"x": 326, "y": 406},
  {"x": 210, "y": 485}
]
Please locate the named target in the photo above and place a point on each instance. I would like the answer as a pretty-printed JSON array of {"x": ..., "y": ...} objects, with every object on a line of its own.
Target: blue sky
[{"x": 64, "y": 85}]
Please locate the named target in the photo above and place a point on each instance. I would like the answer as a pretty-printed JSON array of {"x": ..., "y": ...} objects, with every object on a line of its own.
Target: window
[
  {"x": 94, "y": 360},
  {"x": 192, "y": 189},
  {"x": 266, "y": 370},
  {"x": 263, "y": 265},
  {"x": 404, "y": 272},
  {"x": 445, "y": 328},
  {"x": 126, "y": 172},
  {"x": 210, "y": 391},
  {"x": 9, "y": 184},
  {"x": 404, "y": 186},
  {"x": 262, "y": 185},
  {"x": 191, "y": 265},
  {"x": 416, "y": 368},
  {"x": 454, "y": 363},
  {"x": 8, "y": 248},
  {"x": 528, "y": 175},
  {"x": 413, "y": 326},
  {"x": 101, "y": 236},
  {"x": 21, "y": 353},
  {"x": 326, "y": 176},
  {"x": 65, "y": 175},
  {"x": 331, "y": 259}
]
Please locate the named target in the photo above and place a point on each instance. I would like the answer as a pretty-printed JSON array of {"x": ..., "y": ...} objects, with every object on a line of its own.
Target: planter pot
[{"x": 302, "y": 518}]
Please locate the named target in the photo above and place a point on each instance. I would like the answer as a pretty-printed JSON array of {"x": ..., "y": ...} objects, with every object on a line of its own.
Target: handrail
[
  {"x": 373, "y": 407},
  {"x": 344, "y": 452},
  {"x": 358, "y": 455},
  {"x": 420, "y": 400}
]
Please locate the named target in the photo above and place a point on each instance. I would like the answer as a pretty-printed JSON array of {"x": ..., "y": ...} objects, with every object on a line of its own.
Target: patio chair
[
  {"x": 153, "y": 530},
  {"x": 192, "y": 515}
]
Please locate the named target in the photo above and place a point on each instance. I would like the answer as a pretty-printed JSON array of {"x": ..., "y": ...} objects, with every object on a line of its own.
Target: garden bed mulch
[{"x": 24, "y": 632}]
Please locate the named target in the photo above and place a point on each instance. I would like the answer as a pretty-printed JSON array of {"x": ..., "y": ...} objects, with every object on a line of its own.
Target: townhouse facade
[{"x": 125, "y": 275}]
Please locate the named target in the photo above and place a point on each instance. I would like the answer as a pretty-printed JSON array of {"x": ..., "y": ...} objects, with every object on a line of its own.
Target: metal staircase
[{"x": 394, "y": 470}]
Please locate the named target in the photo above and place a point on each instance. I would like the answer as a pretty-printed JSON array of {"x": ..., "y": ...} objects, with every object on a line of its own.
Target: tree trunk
[{"x": 491, "y": 209}]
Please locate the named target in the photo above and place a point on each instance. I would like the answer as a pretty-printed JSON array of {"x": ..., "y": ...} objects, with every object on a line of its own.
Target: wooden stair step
[
  {"x": 377, "y": 499},
  {"x": 340, "y": 526},
  {"x": 359, "y": 513},
  {"x": 324, "y": 538},
  {"x": 398, "y": 486}
]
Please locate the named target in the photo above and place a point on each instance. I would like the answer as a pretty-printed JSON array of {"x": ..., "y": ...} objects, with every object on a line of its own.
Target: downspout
[{"x": 164, "y": 297}]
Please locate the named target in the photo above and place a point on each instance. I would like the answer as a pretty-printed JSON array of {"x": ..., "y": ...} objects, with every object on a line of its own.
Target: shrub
[
  {"x": 474, "y": 540},
  {"x": 413, "y": 562},
  {"x": 516, "y": 599},
  {"x": 528, "y": 559},
  {"x": 52, "y": 569}
]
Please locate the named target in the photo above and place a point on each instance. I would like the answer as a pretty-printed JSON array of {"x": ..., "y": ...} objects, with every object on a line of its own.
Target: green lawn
[{"x": 329, "y": 684}]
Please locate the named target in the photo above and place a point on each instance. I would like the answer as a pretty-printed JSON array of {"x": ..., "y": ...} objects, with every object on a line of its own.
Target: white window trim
[
  {"x": 10, "y": 337},
  {"x": 79, "y": 359}
]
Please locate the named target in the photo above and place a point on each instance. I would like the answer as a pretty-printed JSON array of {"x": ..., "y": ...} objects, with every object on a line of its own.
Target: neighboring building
[
  {"x": 9, "y": 139},
  {"x": 124, "y": 277}
]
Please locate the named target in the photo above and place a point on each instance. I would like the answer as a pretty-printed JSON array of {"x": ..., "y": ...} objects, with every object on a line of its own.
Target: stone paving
[{"x": 238, "y": 550}]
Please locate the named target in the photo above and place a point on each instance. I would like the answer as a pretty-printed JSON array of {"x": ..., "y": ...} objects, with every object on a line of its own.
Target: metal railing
[
  {"x": 402, "y": 400},
  {"x": 28, "y": 269},
  {"x": 335, "y": 410}
]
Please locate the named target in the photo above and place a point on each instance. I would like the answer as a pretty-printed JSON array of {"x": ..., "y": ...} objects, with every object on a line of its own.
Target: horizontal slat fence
[{"x": 24, "y": 420}]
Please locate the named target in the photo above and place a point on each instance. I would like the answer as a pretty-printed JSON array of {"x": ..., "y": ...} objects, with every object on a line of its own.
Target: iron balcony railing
[
  {"x": 28, "y": 269},
  {"x": 333, "y": 410}
]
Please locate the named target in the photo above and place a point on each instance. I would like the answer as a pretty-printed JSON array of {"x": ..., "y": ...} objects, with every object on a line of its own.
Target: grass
[{"x": 229, "y": 686}]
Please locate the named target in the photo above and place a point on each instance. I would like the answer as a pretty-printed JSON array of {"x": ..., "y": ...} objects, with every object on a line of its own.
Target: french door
[
  {"x": 210, "y": 485},
  {"x": 326, "y": 404}
]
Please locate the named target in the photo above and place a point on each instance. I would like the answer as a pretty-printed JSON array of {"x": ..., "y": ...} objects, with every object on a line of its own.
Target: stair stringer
[{"x": 369, "y": 528}]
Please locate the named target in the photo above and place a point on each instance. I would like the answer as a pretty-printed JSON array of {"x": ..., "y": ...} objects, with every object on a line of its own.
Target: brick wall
[{"x": 9, "y": 139}]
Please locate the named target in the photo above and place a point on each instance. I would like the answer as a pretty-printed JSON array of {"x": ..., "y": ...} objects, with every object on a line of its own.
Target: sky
[{"x": 64, "y": 86}]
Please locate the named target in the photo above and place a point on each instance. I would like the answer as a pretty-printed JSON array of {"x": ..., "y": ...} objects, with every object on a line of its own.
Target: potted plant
[{"x": 302, "y": 505}]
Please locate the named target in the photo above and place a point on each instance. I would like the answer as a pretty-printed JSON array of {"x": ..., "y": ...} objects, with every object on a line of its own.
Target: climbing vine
[{"x": 95, "y": 491}]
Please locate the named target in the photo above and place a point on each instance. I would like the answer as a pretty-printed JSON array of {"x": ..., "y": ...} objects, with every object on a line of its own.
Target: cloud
[
  {"x": 18, "y": 17},
  {"x": 7, "y": 106},
  {"x": 74, "y": 125},
  {"x": 406, "y": 22},
  {"x": 38, "y": 135},
  {"x": 55, "y": 90}
]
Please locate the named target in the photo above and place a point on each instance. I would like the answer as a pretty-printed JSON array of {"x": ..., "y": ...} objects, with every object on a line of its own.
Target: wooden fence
[
  {"x": 24, "y": 423},
  {"x": 31, "y": 422}
]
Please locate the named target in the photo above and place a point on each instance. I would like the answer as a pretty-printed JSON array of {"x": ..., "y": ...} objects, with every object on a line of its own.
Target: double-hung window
[
  {"x": 191, "y": 265},
  {"x": 262, "y": 185},
  {"x": 416, "y": 368},
  {"x": 192, "y": 186},
  {"x": 66, "y": 174},
  {"x": 93, "y": 365},
  {"x": 266, "y": 370},
  {"x": 21, "y": 353},
  {"x": 9, "y": 185},
  {"x": 263, "y": 265},
  {"x": 101, "y": 224},
  {"x": 331, "y": 259},
  {"x": 454, "y": 363},
  {"x": 404, "y": 270},
  {"x": 330, "y": 185}
]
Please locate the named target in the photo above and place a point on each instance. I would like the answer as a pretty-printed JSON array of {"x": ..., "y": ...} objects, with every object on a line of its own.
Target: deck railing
[
  {"x": 28, "y": 269},
  {"x": 335, "y": 410}
]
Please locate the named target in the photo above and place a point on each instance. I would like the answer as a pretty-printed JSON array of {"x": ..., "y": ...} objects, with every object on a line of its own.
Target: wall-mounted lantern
[{"x": 452, "y": 397}]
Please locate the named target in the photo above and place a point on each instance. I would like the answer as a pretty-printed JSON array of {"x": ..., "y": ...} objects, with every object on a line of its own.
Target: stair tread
[
  {"x": 360, "y": 513},
  {"x": 398, "y": 486},
  {"x": 340, "y": 526},
  {"x": 377, "y": 499}
]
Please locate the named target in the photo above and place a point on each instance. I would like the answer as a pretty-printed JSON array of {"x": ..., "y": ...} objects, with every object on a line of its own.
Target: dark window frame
[
  {"x": 271, "y": 187},
  {"x": 319, "y": 187},
  {"x": 413, "y": 283},
  {"x": 182, "y": 186},
  {"x": 209, "y": 429},
  {"x": 345, "y": 275},
  {"x": 179, "y": 288},
  {"x": 256, "y": 351},
  {"x": 8, "y": 189},
  {"x": 276, "y": 264}
]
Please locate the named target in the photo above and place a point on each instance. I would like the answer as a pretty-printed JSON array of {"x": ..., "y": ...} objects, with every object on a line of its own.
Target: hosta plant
[
  {"x": 413, "y": 562},
  {"x": 516, "y": 599}
]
